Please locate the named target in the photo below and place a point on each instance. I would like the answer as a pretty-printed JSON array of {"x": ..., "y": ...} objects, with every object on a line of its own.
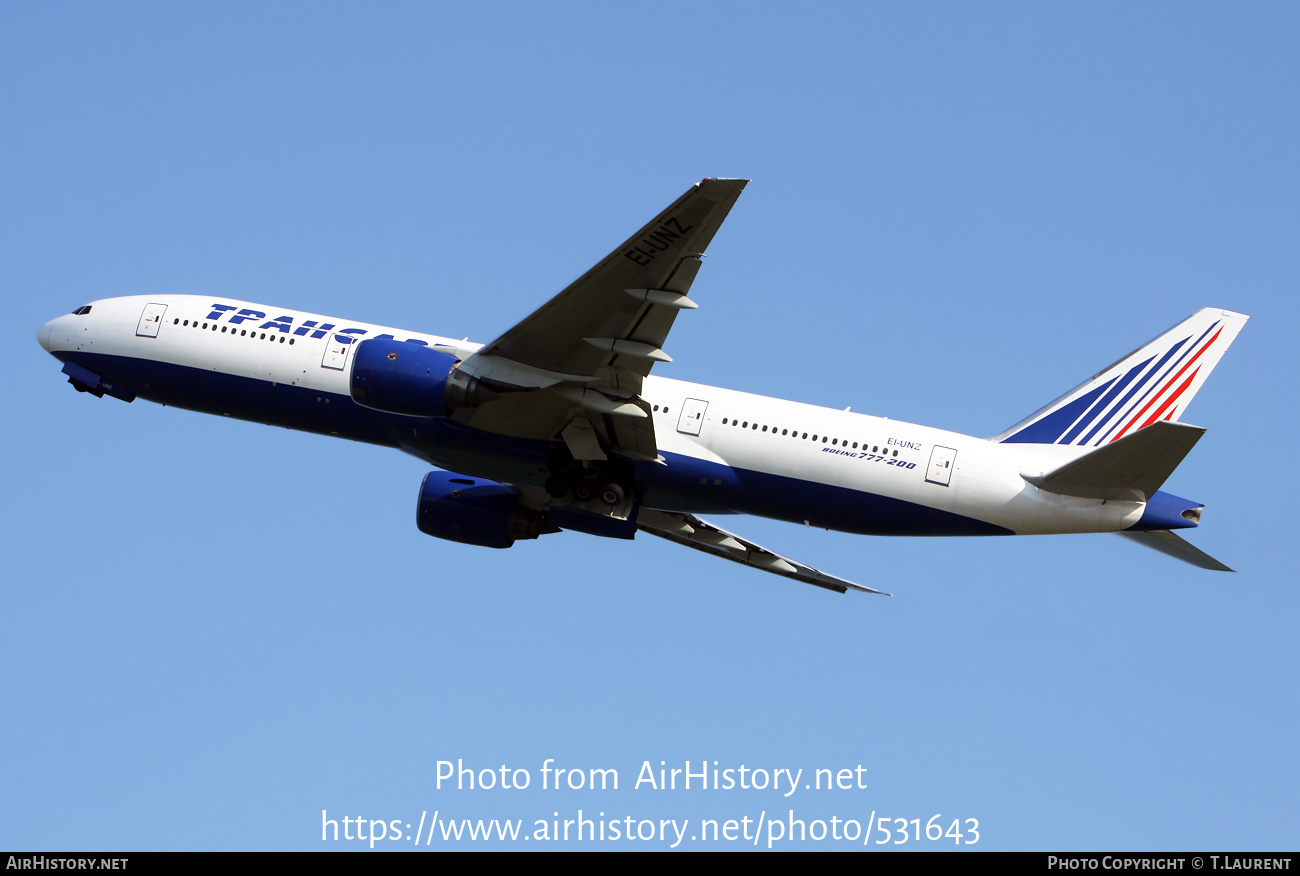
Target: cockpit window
[{"x": 81, "y": 311}]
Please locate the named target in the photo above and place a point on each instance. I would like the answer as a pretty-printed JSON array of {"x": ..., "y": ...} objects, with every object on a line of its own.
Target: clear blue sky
[{"x": 213, "y": 630}]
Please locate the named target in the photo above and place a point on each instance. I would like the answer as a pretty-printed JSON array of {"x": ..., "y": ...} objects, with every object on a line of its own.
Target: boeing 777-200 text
[{"x": 558, "y": 425}]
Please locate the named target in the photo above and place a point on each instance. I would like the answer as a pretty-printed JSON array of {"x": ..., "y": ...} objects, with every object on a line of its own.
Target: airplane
[{"x": 558, "y": 425}]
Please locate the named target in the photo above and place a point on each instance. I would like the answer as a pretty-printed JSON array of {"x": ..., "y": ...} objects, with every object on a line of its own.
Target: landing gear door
[
  {"x": 692, "y": 416},
  {"x": 150, "y": 320},
  {"x": 941, "y": 463},
  {"x": 336, "y": 353}
]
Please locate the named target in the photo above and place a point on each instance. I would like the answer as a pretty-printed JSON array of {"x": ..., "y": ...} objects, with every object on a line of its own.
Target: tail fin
[{"x": 1153, "y": 383}]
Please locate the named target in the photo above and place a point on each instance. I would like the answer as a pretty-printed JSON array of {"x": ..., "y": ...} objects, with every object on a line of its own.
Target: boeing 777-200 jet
[{"x": 558, "y": 425}]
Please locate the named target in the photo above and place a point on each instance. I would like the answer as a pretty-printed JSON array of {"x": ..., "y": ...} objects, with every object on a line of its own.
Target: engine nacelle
[
  {"x": 400, "y": 377},
  {"x": 475, "y": 511}
]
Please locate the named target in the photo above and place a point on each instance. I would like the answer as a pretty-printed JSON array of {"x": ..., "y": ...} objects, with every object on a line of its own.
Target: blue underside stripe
[{"x": 684, "y": 484}]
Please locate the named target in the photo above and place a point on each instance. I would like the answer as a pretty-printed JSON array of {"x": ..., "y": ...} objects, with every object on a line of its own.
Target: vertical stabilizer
[{"x": 1152, "y": 384}]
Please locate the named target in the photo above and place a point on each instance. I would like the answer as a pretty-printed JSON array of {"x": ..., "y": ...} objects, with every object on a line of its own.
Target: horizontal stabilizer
[
  {"x": 1132, "y": 468},
  {"x": 1169, "y": 543},
  {"x": 691, "y": 531}
]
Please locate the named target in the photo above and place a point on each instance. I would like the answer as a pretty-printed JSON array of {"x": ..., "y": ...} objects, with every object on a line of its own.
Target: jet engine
[
  {"x": 401, "y": 377},
  {"x": 475, "y": 511}
]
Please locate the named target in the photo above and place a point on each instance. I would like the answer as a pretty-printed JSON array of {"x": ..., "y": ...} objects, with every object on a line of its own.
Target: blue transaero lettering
[
  {"x": 654, "y": 242},
  {"x": 285, "y": 324},
  {"x": 242, "y": 316}
]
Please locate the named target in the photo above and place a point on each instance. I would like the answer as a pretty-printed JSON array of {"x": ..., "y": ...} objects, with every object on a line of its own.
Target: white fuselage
[{"x": 738, "y": 442}]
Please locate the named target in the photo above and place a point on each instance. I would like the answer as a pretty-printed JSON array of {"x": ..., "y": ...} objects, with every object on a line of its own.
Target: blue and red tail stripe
[
  {"x": 1109, "y": 409},
  {"x": 1166, "y": 385}
]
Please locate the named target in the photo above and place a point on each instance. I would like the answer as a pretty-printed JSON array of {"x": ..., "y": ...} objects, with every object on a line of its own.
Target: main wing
[
  {"x": 691, "y": 531},
  {"x": 574, "y": 367}
]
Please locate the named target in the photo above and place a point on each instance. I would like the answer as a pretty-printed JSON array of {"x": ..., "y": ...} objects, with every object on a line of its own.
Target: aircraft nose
[{"x": 43, "y": 336}]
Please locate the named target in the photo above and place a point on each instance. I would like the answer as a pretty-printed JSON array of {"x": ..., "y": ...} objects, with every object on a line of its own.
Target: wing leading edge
[{"x": 618, "y": 314}]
